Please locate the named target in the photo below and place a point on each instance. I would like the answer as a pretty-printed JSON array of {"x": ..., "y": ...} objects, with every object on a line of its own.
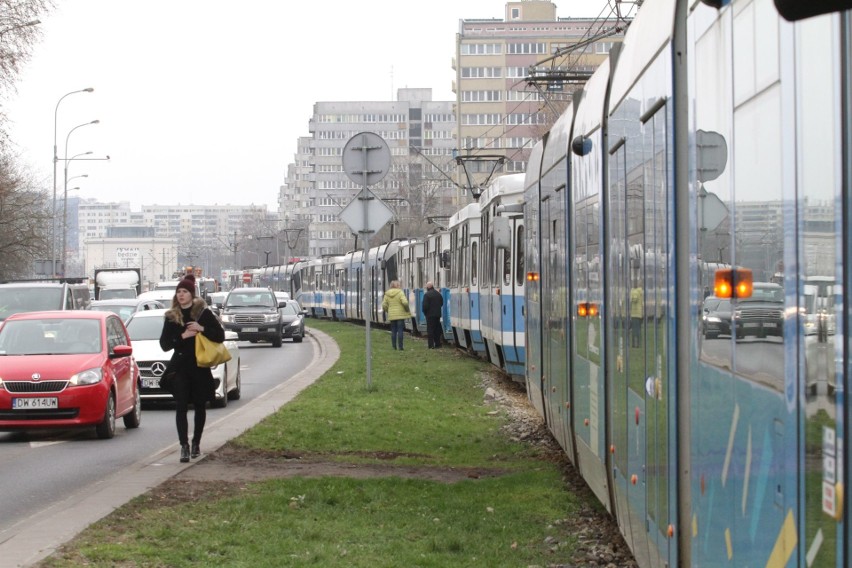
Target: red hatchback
[{"x": 66, "y": 369}]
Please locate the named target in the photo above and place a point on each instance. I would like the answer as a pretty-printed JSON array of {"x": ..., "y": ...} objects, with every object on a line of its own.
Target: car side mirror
[{"x": 121, "y": 351}]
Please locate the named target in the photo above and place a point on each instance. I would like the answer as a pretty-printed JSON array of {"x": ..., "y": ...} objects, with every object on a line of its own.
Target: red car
[{"x": 64, "y": 369}]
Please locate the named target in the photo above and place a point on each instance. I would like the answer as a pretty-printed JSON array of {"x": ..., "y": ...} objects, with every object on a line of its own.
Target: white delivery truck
[{"x": 112, "y": 283}]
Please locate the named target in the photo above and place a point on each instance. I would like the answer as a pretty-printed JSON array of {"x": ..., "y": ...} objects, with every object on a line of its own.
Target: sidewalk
[{"x": 39, "y": 536}]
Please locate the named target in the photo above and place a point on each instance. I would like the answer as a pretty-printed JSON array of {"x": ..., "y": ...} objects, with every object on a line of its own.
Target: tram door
[{"x": 555, "y": 375}]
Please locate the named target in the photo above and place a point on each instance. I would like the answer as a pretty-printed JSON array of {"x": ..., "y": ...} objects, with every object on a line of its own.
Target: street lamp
[
  {"x": 65, "y": 202},
  {"x": 56, "y": 159}
]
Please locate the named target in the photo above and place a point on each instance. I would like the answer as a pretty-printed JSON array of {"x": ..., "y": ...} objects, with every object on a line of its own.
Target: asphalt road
[{"x": 57, "y": 483}]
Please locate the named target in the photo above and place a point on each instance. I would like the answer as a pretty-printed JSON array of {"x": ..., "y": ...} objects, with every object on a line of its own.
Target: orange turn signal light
[
  {"x": 532, "y": 276},
  {"x": 733, "y": 283}
]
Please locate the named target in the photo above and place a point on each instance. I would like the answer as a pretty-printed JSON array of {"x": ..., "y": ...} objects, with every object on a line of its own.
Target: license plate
[
  {"x": 39, "y": 402},
  {"x": 150, "y": 383},
  {"x": 770, "y": 325},
  {"x": 250, "y": 329}
]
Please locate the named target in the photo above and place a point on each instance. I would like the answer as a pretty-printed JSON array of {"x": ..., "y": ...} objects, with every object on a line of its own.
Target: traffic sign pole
[{"x": 366, "y": 160}]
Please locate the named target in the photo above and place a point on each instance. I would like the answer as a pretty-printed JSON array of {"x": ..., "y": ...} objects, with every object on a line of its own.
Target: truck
[{"x": 112, "y": 283}]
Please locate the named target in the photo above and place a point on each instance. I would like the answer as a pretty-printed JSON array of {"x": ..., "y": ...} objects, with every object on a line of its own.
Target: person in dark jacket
[
  {"x": 187, "y": 317},
  {"x": 433, "y": 303}
]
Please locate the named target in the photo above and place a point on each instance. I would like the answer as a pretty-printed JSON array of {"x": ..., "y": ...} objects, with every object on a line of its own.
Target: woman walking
[
  {"x": 187, "y": 317},
  {"x": 395, "y": 304}
]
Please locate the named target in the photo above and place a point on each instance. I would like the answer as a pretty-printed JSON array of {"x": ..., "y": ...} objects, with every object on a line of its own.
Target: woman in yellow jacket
[{"x": 395, "y": 304}]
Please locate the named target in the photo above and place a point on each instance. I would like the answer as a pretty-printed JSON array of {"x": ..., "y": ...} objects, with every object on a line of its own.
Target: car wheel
[
  {"x": 276, "y": 341},
  {"x": 236, "y": 392},
  {"x": 222, "y": 402},
  {"x": 134, "y": 418},
  {"x": 106, "y": 429}
]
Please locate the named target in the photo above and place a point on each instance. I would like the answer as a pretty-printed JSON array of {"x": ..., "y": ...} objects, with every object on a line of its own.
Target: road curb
[{"x": 38, "y": 536}]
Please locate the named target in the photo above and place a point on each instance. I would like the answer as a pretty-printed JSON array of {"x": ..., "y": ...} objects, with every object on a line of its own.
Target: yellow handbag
[{"x": 209, "y": 353}]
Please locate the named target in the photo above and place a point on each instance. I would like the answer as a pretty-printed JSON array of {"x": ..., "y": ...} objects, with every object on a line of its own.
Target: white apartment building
[{"x": 420, "y": 135}]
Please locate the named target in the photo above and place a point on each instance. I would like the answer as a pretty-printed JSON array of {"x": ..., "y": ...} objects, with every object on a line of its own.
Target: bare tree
[
  {"x": 24, "y": 208},
  {"x": 19, "y": 31},
  {"x": 417, "y": 191},
  {"x": 24, "y": 216}
]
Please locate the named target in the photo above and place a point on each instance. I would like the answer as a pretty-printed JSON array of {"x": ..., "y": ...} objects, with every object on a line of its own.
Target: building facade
[
  {"x": 420, "y": 134},
  {"x": 515, "y": 76},
  {"x": 168, "y": 237}
]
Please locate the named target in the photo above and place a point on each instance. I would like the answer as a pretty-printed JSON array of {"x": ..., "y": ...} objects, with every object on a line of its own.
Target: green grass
[{"x": 425, "y": 408}]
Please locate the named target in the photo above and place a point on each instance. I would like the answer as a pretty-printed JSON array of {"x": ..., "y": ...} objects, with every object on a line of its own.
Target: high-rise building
[
  {"x": 420, "y": 135},
  {"x": 515, "y": 76}
]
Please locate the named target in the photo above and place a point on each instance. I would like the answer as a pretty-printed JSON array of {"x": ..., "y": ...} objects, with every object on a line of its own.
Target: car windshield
[
  {"x": 145, "y": 328},
  {"x": 766, "y": 294},
  {"x": 50, "y": 337},
  {"x": 290, "y": 309},
  {"x": 118, "y": 294},
  {"x": 121, "y": 311},
  {"x": 15, "y": 299},
  {"x": 244, "y": 300}
]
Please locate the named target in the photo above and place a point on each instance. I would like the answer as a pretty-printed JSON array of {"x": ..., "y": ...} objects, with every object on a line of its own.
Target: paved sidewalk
[{"x": 39, "y": 536}]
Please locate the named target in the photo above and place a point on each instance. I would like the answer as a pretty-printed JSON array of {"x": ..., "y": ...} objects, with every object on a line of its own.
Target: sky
[{"x": 202, "y": 101}]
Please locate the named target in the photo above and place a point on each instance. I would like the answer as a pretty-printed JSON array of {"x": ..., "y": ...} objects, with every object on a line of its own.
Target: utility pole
[{"x": 235, "y": 250}]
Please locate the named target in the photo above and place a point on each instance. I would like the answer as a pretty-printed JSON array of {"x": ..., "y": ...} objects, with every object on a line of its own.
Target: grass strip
[{"x": 425, "y": 409}]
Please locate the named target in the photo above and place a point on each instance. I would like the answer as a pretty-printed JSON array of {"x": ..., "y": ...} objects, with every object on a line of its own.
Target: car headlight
[
  {"x": 714, "y": 319},
  {"x": 293, "y": 324},
  {"x": 227, "y": 318},
  {"x": 270, "y": 318},
  {"x": 87, "y": 377}
]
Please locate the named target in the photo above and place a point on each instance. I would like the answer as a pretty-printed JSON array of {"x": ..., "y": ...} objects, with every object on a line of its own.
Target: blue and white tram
[
  {"x": 708, "y": 451},
  {"x": 464, "y": 228},
  {"x": 304, "y": 285},
  {"x": 501, "y": 288},
  {"x": 436, "y": 259},
  {"x": 331, "y": 285}
]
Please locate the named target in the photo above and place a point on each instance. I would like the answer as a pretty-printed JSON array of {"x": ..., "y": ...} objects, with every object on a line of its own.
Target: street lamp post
[
  {"x": 65, "y": 216},
  {"x": 65, "y": 203},
  {"x": 55, "y": 160}
]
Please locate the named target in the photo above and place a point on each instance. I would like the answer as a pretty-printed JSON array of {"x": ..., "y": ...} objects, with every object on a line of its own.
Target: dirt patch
[{"x": 231, "y": 463}]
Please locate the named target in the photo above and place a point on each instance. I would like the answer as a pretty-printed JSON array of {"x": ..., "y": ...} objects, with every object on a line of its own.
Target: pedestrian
[
  {"x": 637, "y": 314},
  {"x": 187, "y": 317},
  {"x": 433, "y": 303},
  {"x": 395, "y": 304}
]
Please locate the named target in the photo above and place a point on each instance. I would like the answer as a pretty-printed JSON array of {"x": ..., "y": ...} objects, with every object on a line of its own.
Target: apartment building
[
  {"x": 420, "y": 134},
  {"x": 515, "y": 76}
]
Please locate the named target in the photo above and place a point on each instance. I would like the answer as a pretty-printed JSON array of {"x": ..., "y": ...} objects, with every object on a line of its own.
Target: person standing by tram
[{"x": 432, "y": 306}]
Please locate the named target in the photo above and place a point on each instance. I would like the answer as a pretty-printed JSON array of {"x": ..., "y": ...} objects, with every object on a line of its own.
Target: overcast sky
[{"x": 202, "y": 101}]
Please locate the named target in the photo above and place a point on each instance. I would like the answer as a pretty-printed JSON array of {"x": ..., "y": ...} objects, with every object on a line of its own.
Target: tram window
[
  {"x": 474, "y": 249},
  {"x": 520, "y": 273},
  {"x": 507, "y": 267}
]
